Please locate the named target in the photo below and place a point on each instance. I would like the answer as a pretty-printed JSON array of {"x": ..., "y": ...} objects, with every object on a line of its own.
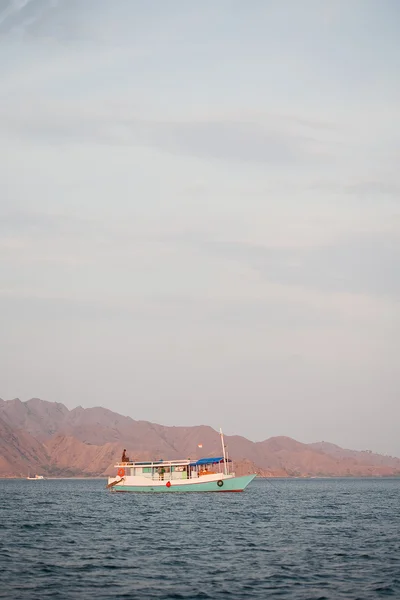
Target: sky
[{"x": 200, "y": 213}]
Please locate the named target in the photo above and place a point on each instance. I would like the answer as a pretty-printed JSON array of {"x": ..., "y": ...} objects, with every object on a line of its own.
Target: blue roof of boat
[{"x": 208, "y": 461}]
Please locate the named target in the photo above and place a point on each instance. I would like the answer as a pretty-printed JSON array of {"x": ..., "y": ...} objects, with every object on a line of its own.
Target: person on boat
[
  {"x": 161, "y": 472},
  {"x": 124, "y": 458}
]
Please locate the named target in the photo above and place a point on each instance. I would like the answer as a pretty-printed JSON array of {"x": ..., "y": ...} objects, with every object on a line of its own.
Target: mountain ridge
[{"x": 38, "y": 434}]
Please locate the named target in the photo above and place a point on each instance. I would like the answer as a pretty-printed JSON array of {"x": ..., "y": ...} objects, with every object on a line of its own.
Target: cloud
[
  {"x": 20, "y": 15},
  {"x": 277, "y": 312},
  {"x": 30, "y": 238},
  {"x": 373, "y": 187},
  {"x": 41, "y": 223},
  {"x": 220, "y": 139},
  {"x": 96, "y": 22},
  {"x": 14, "y": 7},
  {"x": 364, "y": 263},
  {"x": 366, "y": 187},
  {"x": 227, "y": 140}
]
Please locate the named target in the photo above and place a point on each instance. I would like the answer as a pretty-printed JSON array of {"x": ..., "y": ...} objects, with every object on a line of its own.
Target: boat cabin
[{"x": 168, "y": 470}]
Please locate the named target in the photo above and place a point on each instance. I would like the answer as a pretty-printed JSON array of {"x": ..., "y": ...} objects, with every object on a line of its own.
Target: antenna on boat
[{"x": 223, "y": 448}]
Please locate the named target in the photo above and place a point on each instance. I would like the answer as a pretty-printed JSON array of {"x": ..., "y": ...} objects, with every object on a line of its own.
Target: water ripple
[{"x": 298, "y": 540}]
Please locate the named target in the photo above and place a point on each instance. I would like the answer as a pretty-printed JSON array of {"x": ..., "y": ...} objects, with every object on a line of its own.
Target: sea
[{"x": 291, "y": 539}]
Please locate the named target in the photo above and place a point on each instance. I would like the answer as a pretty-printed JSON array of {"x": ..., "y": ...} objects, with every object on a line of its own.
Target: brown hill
[
  {"x": 20, "y": 453},
  {"x": 45, "y": 435},
  {"x": 365, "y": 457},
  {"x": 70, "y": 457},
  {"x": 39, "y": 418}
]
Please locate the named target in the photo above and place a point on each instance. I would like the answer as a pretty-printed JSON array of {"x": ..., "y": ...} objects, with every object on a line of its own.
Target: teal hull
[{"x": 236, "y": 484}]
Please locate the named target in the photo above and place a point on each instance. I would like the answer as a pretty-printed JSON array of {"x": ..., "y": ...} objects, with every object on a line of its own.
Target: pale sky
[{"x": 199, "y": 212}]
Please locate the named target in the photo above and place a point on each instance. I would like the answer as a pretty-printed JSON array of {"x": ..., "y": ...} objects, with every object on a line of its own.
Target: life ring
[
  {"x": 220, "y": 483},
  {"x": 121, "y": 472},
  {"x": 168, "y": 484}
]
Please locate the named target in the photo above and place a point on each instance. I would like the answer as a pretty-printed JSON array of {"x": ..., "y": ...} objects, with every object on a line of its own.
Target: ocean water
[{"x": 286, "y": 539}]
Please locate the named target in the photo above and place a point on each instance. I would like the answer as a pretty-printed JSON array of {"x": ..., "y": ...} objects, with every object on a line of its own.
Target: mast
[{"x": 223, "y": 449}]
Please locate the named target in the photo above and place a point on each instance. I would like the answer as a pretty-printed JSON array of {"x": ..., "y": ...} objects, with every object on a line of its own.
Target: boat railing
[
  {"x": 174, "y": 476},
  {"x": 156, "y": 463}
]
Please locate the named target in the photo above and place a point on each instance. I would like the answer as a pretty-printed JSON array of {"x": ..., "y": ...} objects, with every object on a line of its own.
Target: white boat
[
  {"x": 35, "y": 478},
  {"x": 211, "y": 474}
]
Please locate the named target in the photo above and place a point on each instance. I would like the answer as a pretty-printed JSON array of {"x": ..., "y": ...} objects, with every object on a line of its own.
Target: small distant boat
[
  {"x": 35, "y": 478},
  {"x": 212, "y": 474}
]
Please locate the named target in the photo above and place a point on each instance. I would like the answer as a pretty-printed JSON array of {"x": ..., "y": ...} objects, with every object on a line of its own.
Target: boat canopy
[{"x": 209, "y": 461}]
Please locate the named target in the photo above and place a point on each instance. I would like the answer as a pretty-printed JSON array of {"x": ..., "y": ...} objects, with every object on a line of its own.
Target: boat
[
  {"x": 210, "y": 474},
  {"x": 35, "y": 478}
]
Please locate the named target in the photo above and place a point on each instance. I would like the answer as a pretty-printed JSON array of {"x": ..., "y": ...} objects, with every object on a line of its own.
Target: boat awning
[{"x": 209, "y": 461}]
